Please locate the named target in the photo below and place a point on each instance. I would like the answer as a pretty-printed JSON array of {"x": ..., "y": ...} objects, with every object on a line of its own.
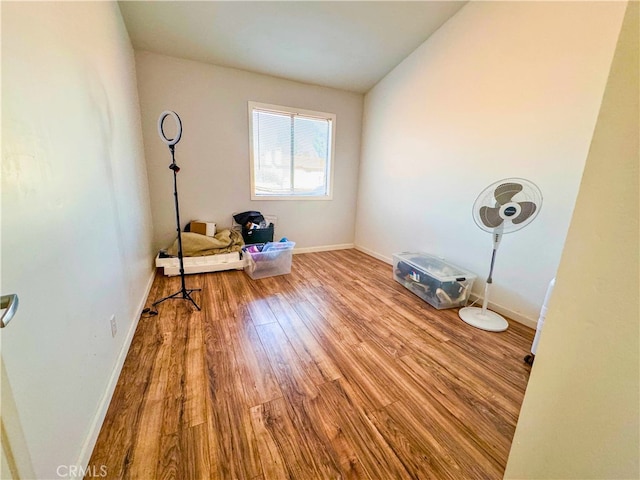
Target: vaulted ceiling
[{"x": 339, "y": 44}]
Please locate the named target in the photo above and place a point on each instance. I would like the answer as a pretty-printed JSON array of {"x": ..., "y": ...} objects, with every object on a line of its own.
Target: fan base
[{"x": 487, "y": 320}]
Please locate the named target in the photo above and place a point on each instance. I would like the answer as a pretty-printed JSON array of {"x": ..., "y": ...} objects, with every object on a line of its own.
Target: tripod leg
[
  {"x": 173, "y": 295},
  {"x": 187, "y": 295}
]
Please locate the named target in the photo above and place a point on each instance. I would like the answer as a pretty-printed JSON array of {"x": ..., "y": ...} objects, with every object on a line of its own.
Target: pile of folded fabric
[{"x": 197, "y": 245}]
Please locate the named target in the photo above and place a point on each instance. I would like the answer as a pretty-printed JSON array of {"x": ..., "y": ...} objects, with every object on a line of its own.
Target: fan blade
[
  {"x": 490, "y": 216},
  {"x": 527, "y": 209},
  {"x": 505, "y": 192}
]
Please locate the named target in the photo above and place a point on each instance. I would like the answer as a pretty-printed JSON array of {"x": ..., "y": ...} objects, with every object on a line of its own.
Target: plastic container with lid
[
  {"x": 274, "y": 258},
  {"x": 436, "y": 281}
]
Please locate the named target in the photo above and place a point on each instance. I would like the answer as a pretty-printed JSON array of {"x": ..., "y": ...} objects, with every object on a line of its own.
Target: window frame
[{"x": 291, "y": 111}]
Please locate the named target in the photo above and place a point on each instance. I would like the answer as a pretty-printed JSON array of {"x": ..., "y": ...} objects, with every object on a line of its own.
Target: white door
[{"x": 15, "y": 462}]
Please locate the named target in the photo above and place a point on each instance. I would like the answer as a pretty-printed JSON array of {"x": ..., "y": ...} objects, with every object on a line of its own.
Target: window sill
[{"x": 291, "y": 197}]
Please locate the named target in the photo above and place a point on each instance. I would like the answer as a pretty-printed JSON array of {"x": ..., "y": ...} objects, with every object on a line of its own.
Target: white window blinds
[{"x": 291, "y": 153}]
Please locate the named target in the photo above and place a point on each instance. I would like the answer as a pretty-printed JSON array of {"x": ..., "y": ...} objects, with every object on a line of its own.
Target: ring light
[
  {"x": 184, "y": 293},
  {"x": 163, "y": 115}
]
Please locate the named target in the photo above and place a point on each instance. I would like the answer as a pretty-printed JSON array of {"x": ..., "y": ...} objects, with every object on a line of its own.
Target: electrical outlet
[{"x": 114, "y": 326}]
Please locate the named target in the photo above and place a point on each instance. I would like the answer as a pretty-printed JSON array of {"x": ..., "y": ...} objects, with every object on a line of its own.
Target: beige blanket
[{"x": 196, "y": 245}]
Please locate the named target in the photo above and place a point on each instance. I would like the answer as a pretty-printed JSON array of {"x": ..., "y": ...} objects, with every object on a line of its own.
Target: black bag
[{"x": 248, "y": 217}]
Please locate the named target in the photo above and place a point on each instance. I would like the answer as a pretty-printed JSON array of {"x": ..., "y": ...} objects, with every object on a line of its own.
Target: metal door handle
[{"x": 9, "y": 305}]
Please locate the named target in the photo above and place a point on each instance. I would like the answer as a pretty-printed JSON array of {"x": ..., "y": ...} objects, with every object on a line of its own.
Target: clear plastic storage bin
[
  {"x": 436, "y": 281},
  {"x": 275, "y": 259}
]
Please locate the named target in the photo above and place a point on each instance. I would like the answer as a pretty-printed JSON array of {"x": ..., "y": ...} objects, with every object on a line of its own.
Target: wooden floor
[{"x": 334, "y": 371}]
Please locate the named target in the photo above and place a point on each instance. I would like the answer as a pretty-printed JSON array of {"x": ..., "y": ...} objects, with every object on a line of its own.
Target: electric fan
[{"x": 505, "y": 206}]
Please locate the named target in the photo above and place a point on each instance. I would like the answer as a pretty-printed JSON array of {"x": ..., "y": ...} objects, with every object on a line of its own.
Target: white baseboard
[
  {"x": 323, "y": 248},
  {"x": 373, "y": 254},
  {"x": 518, "y": 317},
  {"x": 98, "y": 419}
]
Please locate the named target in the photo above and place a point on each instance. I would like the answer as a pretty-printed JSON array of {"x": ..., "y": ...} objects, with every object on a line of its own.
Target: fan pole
[
  {"x": 497, "y": 236},
  {"x": 483, "y": 318},
  {"x": 485, "y": 300}
]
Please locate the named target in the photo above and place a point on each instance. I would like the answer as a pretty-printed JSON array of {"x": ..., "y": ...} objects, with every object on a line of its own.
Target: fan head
[{"x": 507, "y": 205}]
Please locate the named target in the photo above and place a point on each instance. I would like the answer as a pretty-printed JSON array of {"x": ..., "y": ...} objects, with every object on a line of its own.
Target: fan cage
[{"x": 529, "y": 193}]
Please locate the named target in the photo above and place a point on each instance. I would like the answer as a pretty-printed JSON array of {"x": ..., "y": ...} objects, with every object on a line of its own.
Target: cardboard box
[{"x": 203, "y": 228}]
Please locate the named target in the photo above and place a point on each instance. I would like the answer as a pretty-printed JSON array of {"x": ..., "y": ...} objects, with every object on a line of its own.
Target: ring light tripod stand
[{"x": 183, "y": 293}]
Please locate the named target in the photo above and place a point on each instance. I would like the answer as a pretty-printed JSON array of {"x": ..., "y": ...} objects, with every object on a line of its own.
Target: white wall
[
  {"x": 214, "y": 150},
  {"x": 503, "y": 89},
  {"x": 581, "y": 414},
  {"x": 76, "y": 228}
]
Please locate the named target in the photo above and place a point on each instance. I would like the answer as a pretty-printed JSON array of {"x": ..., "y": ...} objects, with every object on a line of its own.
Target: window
[{"x": 291, "y": 153}]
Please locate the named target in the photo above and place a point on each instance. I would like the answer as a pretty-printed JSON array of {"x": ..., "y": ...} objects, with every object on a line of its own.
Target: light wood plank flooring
[{"x": 333, "y": 371}]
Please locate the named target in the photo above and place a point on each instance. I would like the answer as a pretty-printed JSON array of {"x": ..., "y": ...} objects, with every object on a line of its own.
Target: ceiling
[{"x": 343, "y": 44}]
